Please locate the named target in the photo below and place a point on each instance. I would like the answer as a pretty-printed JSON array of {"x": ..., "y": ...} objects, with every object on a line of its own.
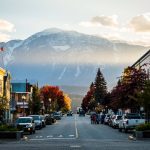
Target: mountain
[{"x": 59, "y": 57}]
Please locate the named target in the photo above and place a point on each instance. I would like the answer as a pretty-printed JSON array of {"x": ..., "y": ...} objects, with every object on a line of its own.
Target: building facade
[
  {"x": 21, "y": 96},
  {"x": 5, "y": 90},
  {"x": 144, "y": 62}
]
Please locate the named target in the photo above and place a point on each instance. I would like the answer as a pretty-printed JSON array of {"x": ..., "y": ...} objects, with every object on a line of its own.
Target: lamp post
[
  {"x": 23, "y": 99},
  {"x": 49, "y": 104}
]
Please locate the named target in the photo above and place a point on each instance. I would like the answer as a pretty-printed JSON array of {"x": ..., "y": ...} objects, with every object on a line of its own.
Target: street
[{"x": 74, "y": 132}]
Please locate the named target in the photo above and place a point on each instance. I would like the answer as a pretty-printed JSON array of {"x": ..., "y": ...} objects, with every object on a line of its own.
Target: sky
[{"x": 127, "y": 20}]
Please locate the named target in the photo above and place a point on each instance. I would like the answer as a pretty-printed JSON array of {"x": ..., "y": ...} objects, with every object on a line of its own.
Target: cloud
[
  {"x": 6, "y": 26},
  {"x": 140, "y": 23},
  {"x": 110, "y": 21},
  {"x": 4, "y": 37}
]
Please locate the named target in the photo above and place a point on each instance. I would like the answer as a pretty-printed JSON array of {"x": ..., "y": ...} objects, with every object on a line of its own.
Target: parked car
[
  {"x": 129, "y": 121},
  {"x": 43, "y": 121},
  {"x": 37, "y": 120},
  {"x": 26, "y": 124},
  {"x": 81, "y": 113},
  {"x": 57, "y": 115},
  {"x": 115, "y": 121},
  {"x": 50, "y": 119},
  {"x": 69, "y": 113}
]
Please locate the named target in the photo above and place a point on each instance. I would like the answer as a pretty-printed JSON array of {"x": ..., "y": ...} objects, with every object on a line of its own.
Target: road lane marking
[
  {"x": 52, "y": 139},
  {"x": 60, "y": 136},
  {"x": 71, "y": 135},
  {"x": 76, "y": 127},
  {"x": 75, "y": 146},
  {"x": 49, "y": 136}
]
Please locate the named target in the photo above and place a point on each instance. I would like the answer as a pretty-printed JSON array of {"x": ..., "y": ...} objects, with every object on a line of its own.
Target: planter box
[
  {"x": 142, "y": 134},
  {"x": 11, "y": 135}
]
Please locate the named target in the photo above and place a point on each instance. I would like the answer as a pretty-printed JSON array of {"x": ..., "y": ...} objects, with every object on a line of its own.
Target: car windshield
[
  {"x": 119, "y": 117},
  {"x": 36, "y": 117},
  {"x": 133, "y": 116},
  {"x": 23, "y": 120}
]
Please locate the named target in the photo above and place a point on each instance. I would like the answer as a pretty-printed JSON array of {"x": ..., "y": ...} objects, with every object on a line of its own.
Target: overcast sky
[{"x": 127, "y": 20}]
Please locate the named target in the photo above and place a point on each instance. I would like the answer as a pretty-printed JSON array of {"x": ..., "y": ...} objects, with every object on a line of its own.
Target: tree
[
  {"x": 144, "y": 96},
  {"x": 67, "y": 103},
  {"x": 52, "y": 97},
  {"x": 87, "y": 102},
  {"x": 3, "y": 106},
  {"x": 125, "y": 94},
  {"x": 35, "y": 103},
  {"x": 100, "y": 88}
]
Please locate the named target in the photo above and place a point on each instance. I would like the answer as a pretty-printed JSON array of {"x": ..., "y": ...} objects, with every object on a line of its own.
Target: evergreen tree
[
  {"x": 100, "y": 88},
  {"x": 35, "y": 103}
]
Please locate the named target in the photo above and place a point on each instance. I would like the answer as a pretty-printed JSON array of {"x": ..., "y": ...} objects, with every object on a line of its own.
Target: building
[
  {"x": 5, "y": 90},
  {"x": 144, "y": 62},
  {"x": 21, "y": 96}
]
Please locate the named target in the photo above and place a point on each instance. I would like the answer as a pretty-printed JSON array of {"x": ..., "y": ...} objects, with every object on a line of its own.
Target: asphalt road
[{"x": 76, "y": 133}]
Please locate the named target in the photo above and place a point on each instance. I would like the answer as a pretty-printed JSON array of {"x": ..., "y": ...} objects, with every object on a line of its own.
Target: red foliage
[{"x": 52, "y": 93}]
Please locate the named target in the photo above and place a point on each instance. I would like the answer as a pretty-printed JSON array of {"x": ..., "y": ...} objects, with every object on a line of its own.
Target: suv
[
  {"x": 37, "y": 120},
  {"x": 26, "y": 124}
]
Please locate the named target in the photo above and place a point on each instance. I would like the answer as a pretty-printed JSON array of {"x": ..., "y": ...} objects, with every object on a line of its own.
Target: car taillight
[{"x": 127, "y": 122}]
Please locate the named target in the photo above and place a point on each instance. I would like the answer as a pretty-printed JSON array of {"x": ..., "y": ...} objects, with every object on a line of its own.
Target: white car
[
  {"x": 115, "y": 121},
  {"x": 26, "y": 124},
  {"x": 129, "y": 121}
]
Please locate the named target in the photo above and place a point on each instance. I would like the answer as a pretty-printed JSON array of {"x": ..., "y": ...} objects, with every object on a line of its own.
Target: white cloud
[
  {"x": 141, "y": 23},
  {"x": 5, "y": 26},
  {"x": 98, "y": 21},
  {"x": 110, "y": 21},
  {"x": 4, "y": 37}
]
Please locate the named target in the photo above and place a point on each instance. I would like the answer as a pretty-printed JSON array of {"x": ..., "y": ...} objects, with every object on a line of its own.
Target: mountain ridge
[{"x": 58, "y": 57}]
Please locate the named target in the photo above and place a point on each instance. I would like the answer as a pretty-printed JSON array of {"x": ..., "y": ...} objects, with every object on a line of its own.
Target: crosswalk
[{"x": 71, "y": 136}]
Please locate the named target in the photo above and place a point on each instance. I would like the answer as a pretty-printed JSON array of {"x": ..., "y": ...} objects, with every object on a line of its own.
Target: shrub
[
  {"x": 143, "y": 127},
  {"x": 7, "y": 128}
]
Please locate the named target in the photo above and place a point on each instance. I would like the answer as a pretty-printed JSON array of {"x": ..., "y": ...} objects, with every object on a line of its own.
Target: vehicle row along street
[{"x": 77, "y": 132}]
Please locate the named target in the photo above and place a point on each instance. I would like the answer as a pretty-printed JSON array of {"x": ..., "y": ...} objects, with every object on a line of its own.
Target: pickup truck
[{"x": 129, "y": 121}]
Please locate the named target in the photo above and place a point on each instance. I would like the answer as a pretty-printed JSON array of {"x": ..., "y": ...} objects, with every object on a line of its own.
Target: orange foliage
[{"x": 67, "y": 102}]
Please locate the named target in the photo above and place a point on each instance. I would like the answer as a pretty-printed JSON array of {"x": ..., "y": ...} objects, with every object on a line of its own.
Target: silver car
[{"x": 37, "y": 120}]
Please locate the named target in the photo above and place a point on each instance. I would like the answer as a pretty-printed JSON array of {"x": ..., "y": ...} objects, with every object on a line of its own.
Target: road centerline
[{"x": 76, "y": 130}]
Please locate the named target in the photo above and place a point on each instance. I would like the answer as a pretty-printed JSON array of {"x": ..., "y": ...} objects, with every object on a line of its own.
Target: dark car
[
  {"x": 57, "y": 115},
  {"x": 69, "y": 113},
  {"x": 26, "y": 124},
  {"x": 49, "y": 118},
  {"x": 81, "y": 113},
  {"x": 43, "y": 121}
]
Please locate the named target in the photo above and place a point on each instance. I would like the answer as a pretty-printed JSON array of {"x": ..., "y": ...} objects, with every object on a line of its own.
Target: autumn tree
[
  {"x": 125, "y": 94},
  {"x": 52, "y": 97},
  {"x": 144, "y": 97},
  {"x": 88, "y": 102},
  {"x": 67, "y": 103}
]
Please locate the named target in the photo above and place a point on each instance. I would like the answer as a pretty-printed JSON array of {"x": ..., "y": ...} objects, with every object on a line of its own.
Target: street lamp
[
  {"x": 23, "y": 99},
  {"x": 49, "y": 103}
]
